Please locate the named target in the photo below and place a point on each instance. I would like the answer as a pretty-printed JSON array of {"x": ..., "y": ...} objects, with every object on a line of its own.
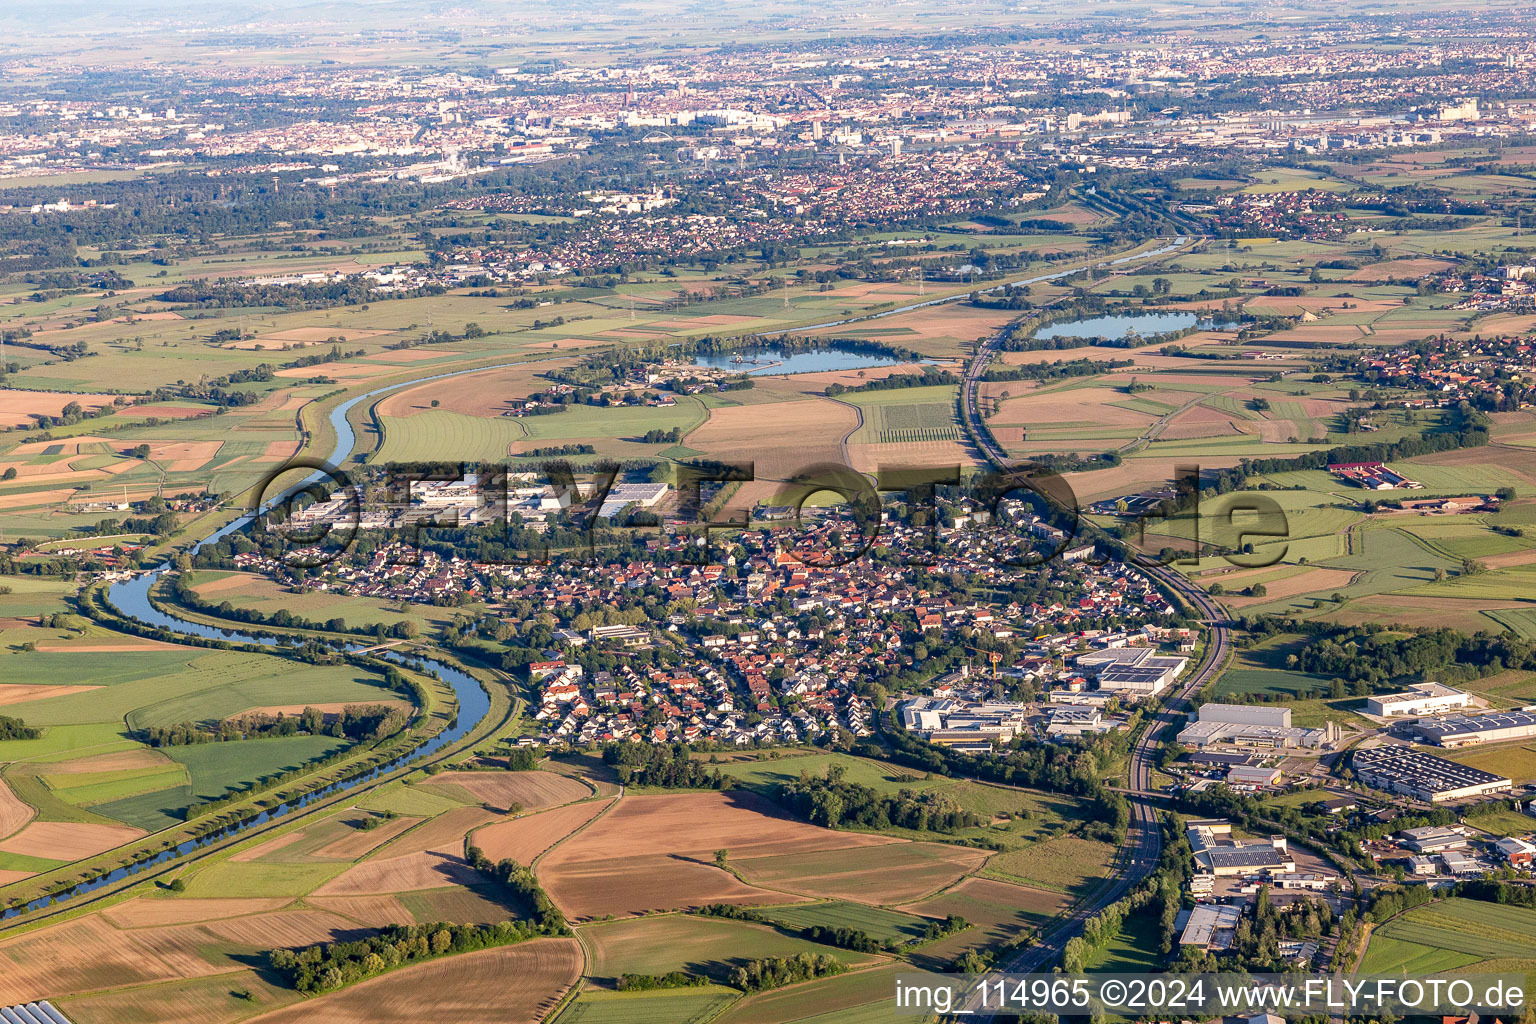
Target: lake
[
  {"x": 1147, "y": 325},
  {"x": 777, "y": 361}
]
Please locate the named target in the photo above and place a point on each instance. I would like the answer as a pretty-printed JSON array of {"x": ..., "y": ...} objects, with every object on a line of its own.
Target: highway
[{"x": 1139, "y": 853}]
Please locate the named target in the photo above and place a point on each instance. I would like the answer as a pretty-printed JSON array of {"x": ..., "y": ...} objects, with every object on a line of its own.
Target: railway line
[{"x": 1139, "y": 854}]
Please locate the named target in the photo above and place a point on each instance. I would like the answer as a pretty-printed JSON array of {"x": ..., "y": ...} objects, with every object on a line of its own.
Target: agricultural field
[
  {"x": 92, "y": 769},
  {"x": 167, "y": 403},
  {"x": 687, "y": 1006},
  {"x": 668, "y": 841},
  {"x": 705, "y": 946},
  {"x": 1451, "y": 935}
]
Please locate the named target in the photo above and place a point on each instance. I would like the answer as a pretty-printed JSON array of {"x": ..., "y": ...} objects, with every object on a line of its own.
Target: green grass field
[
  {"x": 1516, "y": 761},
  {"x": 881, "y": 924},
  {"x": 698, "y": 945},
  {"x": 1449, "y": 935},
  {"x": 686, "y": 1006},
  {"x": 1134, "y": 948},
  {"x": 1068, "y": 864}
]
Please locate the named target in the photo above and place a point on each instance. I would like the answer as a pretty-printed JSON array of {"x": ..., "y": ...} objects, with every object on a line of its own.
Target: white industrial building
[
  {"x": 963, "y": 723},
  {"x": 1244, "y": 714},
  {"x": 621, "y": 496},
  {"x": 1418, "y": 699},
  {"x": 1466, "y": 730},
  {"x": 1424, "y": 776},
  {"x": 1433, "y": 839},
  {"x": 1210, "y": 926},
  {"x": 1217, "y": 853},
  {"x": 1139, "y": 671},
  {"x": 1067, "y": 722},
  {"x": 1252, "y": 775},
  {"x": 1244, "y": 725}
]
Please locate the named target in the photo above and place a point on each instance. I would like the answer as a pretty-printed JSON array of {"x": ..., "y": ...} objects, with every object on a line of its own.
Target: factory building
[
  {"x": 1433, "y": 839},
  {"x": 1217, "y": 853},
  {"x": 1466, "y": 730},
  {"x": 1137, "y": 671},
  {"x": 1424, "y": 776},
  {"x": 1419, "y": 699},
  {"x": 1517, "y": 853},
  {"x": 1245, "y": 726},
  {"x": 1249, "y": 775},
  {"x": 1244, "y": 714},
  {"x": 1210, "y": 927}
]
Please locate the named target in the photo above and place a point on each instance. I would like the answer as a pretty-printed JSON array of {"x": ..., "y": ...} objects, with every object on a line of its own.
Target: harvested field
[
  {"x": 1314, "y": 580},
  {"x": 524, "y": 839},
  {"x": 283, "y": 928},
  {"x": 117, "y": 761},
  {"x": 637, "y": 885},
  {"x": 816, "y": 383},
  {"x": 868, "y": 458},
  {"x": 341, "y": 371},
  {"x": 1399, "y": 270},
  {"x": 334, "y": 707},
  {"x": 1091, "y": 406},
  {"x": 1137, "y": 474},
  {"x": 89, "y": 954},
  {"x": 353, "y": 846},
  {"x": 444, "y": 831},
  {"x": 890, "y": 874},
  {"x": 27, "y": 499},
  {"x": 475, "y": 394},
  {"x": 153, "y": 912},
  {"x": 278, "y": 451},
  {"x": 948, "y": 325},
  {"x": 427, "y": 857},
  {"x": 8, "y": 876},
  {"x": 68, "y": 840},
  {"x": 656, "y": 852},
  {"x": 124, "y": 646},
  {"x": 504, "y": 789},
  {"x": 17, "y": 407},
  {"x": 511, "y": 985},
  {"x": 183, "y": 456},
  {"x": 263, "y": 849},
  {"x": 373, "y": 911},
  {"x": 167, "y": 412},
  {"x": 429, "y": 869},
  {"x": 1195, "y": 423},
  {"x": 13, "y": 813},
  {"x": 20, "y": 693},
  {"x": 782, "y": 438}
]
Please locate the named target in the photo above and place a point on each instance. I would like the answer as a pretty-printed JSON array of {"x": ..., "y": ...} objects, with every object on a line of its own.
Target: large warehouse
[
  {"x": 1133, "y": 670},
  {"x": 1424, "y": 776},
  {"x": 1243, "y": 725},
  {"x": 1418, "y": 699},
  {"x": 1465, "y": 730}
]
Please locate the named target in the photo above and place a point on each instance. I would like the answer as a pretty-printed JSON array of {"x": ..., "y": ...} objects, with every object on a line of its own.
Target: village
[{"x": 765, "y": 646}]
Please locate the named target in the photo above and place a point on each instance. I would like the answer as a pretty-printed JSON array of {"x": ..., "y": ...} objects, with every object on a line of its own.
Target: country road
[{"x": 1143, "y": 842}]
